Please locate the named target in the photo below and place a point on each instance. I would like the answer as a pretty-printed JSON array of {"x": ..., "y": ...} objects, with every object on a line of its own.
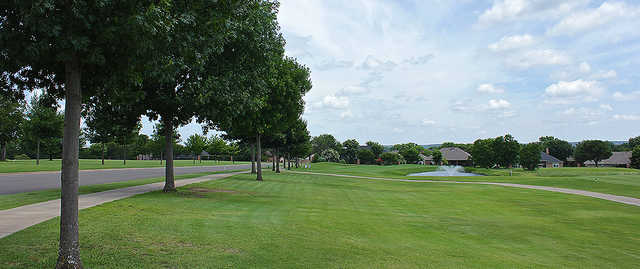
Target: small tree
[
  {"x": 43, "y": 123},
  {"x": 635, "y": 157},
  {"x": 330, "y": 155},
  {"x": 557, "y": 148},
  {"x": 437, "y": 156},
  {"x": 505, "y": 150},
  {"x": 366, "y": 156},
  {"x": 196, "y": 144},
  {"x": 11, "y": 119},
  {"x": 530, "y": 156},
  {"x": 376, "y": 148},
  {"x": 594, "y": 150}
]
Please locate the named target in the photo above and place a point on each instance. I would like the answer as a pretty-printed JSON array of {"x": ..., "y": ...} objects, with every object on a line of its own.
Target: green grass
[
  {"x": 309, "y": 221},
  {"x": 618, "y": 181},
  {"x": 14, "y": 166},
  {"x": 8, "y": 201}
]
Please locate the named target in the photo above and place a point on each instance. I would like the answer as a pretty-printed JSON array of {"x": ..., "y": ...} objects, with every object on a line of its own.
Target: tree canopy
[{"x": 592, "y": 150}]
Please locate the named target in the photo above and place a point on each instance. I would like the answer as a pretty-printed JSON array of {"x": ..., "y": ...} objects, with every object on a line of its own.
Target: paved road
[{"x": 27, "y": 182}]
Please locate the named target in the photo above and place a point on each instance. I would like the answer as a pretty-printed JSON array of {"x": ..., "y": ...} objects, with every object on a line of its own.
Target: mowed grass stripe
[{"x": 294, "y": 221}]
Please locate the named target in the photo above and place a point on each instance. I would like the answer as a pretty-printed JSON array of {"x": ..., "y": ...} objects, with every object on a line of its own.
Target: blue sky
[{"x": 434, "y": 71}]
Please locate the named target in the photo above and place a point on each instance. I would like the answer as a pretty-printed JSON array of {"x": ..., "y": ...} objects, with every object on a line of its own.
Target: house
[
  {"x": 453, "y": 156},
  {"x": 617, "y": 159},
  {"x": 548, "y": 161}
]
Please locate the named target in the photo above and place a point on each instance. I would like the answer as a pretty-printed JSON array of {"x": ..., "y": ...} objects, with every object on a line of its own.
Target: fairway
[
  {"x": 617, "y": 181},
  {"x": 300, "y": 221},
  {"x": 15, "y": 166}
]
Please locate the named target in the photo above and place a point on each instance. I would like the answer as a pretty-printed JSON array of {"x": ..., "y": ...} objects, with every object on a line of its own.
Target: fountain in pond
[{"x": 446, "y": 171}]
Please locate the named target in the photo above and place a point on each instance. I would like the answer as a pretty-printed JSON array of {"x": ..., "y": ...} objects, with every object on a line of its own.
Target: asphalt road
[{"x": 36, "y": 181}]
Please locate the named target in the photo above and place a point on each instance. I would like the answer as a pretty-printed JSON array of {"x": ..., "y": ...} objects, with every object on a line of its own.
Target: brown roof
[
  {"x": 618, "y": 158},
  {"x": 451, "y": 154}
]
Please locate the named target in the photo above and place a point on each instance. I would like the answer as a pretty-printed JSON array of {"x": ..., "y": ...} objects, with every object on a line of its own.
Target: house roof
[
  {"x": 544, "y": 157},
  {"x": 617, "y": 158},
  {"x": 450, "y": 154},
  {"x": 454, "y": 154}
]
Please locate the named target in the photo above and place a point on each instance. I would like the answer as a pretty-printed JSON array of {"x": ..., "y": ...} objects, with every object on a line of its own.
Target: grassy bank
[
  {"x": 308, "y": 221},
  {"x": 19, "y": 199},
  {"x": 14, "y": 166}
]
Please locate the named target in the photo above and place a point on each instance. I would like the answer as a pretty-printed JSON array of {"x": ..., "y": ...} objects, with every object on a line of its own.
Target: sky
[{"x": 435, "y": 71}]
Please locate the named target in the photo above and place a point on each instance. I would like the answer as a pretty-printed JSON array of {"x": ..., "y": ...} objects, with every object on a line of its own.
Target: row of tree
[{"x": 221, "y": 62}]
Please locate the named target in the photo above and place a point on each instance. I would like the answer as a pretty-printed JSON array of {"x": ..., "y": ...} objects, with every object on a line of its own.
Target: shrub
[
  {"x": 329, "y": 155},
  {"x": 342, "y": 161},
  {"x": 21, "y": 157},
  {"x": 390, "y": 158}
]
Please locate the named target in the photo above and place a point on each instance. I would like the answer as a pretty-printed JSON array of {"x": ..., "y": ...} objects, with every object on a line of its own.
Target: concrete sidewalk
[{"x": 16, "y": 219}]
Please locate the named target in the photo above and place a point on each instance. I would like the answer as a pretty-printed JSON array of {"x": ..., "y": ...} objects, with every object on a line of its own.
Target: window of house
[{"x": 556, "y": 165}]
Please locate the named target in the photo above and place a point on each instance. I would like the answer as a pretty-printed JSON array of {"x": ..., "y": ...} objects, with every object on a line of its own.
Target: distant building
[
  {"x": 617, "y": 159},
  {"x": 548, "y": 161},
  {"x": 453, "y": 156}
]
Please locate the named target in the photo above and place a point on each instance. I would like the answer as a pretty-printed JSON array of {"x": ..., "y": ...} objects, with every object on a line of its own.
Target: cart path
[
  {"x": 16, "y": 219},
  {"x": 604, "y": 196}
]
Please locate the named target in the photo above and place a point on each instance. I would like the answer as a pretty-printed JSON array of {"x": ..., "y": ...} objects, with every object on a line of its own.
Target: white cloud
[
  {"x": 538, "y": 57},
  {"x": 592, "y": 18},
  {"x": 349, "y": 90},
  {"x": 606, "y": 107},
  {"x": 498, "y": 104},
  {"x": 489, "y": 88},
  {"x": 333, "y": 101},
  {"x": 626, "y": 117},
  {"x": 373, "y": 63},
  {"x": 427, "y": 122},
  {"x": 346, "y": 114},
  {"x": 606, "y": 74},
  {"x": 512, "y": 42},
  {"x": 397, "y": 130},
  {"x": 569, "y": 92},
  {"x": 511, "y": 10},
  {"x": 585, "y": 67},
  {"x": 619, "y": 96}
]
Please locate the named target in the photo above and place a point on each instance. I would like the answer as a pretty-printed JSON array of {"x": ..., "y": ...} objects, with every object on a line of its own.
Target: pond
[{"x": 445, "y": 171}]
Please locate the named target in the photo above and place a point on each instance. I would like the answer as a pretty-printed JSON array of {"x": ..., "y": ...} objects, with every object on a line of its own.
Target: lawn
[
  {"x": 618, "y": 181},
  {"x": 19, "y": 199},
  {"x": 13, "y": 166},
  {"x": 309, "y": 221}
]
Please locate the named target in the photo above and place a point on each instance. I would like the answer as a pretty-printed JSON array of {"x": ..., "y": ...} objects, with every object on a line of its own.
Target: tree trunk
[
  {"x": 124, "y": 154},
  {"x": 50, "y": 157},
  {"x": 253, "y": 159},
  {"x": 273, "y": 160},
  {"x": 161, "y": 157},
  {"x": 288, "y": 161},
  {"x": 277, "y": 161},
  {"x": 169, "y": 183},
  {"x": 69, "y": 248},
  {"x": 38, "y": 151},
  {"x": 102, "y": 153},
  {"x": 259, "y": 159},
  {"x": 194, "y": 159},
  {"x": 3, "y": 153}
]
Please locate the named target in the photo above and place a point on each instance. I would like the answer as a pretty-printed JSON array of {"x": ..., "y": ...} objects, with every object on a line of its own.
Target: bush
[
  {"x": 329, "y": 155},
  {"x": 342, "y": 161},
  {"x": 390, "y": 158},
  {"x": 21, "y": 157}
]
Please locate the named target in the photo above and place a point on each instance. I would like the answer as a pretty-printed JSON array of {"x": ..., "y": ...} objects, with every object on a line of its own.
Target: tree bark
[
  {"x": 277, "y": 161},
  {"x": 259, "y": 159},
  {"x": 161, "y": 157},
  {"x": 288, "y": 161},
  {"x": 102, "y": 153},
  {"x": 273, "y": 160},
  {"x": 169, "y": 183},
  {"x": 253, "y": 158},
  {"x": 124, "y": 154},
  {"x": 38, "y": 151},
  {"x": 69, "y": 248},
  {"x": 3, "y": 152}
]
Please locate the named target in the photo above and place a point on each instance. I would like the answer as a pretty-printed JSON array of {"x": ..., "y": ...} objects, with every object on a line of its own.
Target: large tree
[
  {"x": 65, "y": 46},
  {"x": 196, "y": 144},
  {"x": 506, "y": 150},
  {"x": 634, "y": 142},
  {"x": 635, "y": 157},
  {"x": 482, "y": 153},
  {"x": 409, "y": 151},
  {"x": 325, "y": 141},
  {"x": 350, "y": 150},
  {"x": 592, "y": 150},
  {"x": 376, "y": 148},
  {"x": 11, "y": 118},
  {"x": 530, "y": 156},
  {"x": 557, "y": 148}
]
